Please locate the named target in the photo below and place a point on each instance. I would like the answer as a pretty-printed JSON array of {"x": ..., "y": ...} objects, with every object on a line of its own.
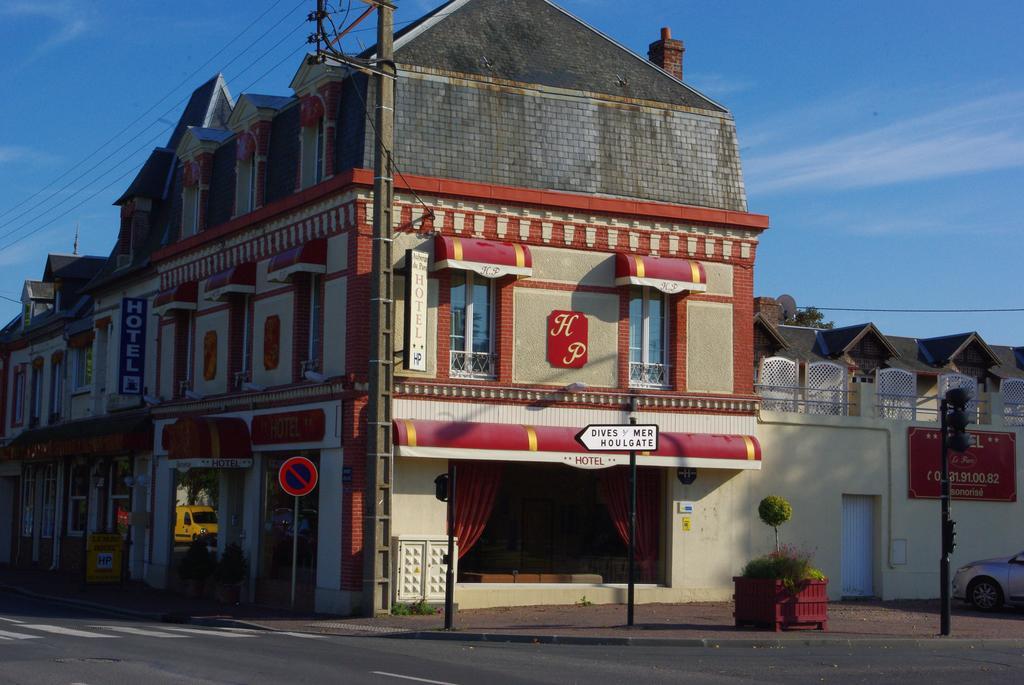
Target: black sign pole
[
  {"x": 946, "y": 600},
  {"x": 449, "y": 574},
  {"x": 632, "y": 532}
]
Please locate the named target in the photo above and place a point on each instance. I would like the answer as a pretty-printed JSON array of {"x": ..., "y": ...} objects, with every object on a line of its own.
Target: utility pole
[{"x": 379, "y": 461}]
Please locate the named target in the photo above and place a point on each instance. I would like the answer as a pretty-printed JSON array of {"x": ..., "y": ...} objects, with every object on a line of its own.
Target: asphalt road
[{"x": 46, "y": 643}]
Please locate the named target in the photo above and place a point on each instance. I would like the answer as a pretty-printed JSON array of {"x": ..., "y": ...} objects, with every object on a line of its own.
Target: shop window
[
  {"x": 472, "y": 326},
  {"x": 56, "y": 390},
  {"x": 18, "y": 400},
  {"x": 120, "y": 496},
  {"x": 279, "y": 533},
  {"x": 648, "y": 362},
  {"x": 49, "y": 499},
  {"x": 78, "y": 498},
  {"x": 28, "y": 501},
  {"x": 81, "y": 368},
  {"x": 36, "y": 408}
]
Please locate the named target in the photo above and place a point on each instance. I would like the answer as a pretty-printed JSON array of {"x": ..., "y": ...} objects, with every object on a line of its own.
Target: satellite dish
[{"x": 788, "y": 305}]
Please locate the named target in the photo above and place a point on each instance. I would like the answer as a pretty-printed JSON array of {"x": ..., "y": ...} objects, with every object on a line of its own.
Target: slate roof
[
  {"x": 217, "y": 135},
  {"x": 39, "y": 290},
  {"x": 71, "y": 267},
  {"x": 209, "y": 106},
  {"x": 153, "y": 177},
  {"x": 267, "y": 101},
  {"x": 535, "y": 41}
]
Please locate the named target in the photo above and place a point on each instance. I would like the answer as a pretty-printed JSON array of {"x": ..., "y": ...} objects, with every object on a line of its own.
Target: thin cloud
[
  {"x": 69, "y": 20},
  {"x": 983, "y": 135},
  {"x": 716, "y": 85}
]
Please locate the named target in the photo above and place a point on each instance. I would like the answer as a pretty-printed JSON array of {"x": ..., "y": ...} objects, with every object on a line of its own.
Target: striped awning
[
  {"x": 238, "y": 279},
  {"x": 663, "y": 273},
  {"x": 310, "y": 257},
  {"x": 488, "y": 258},
  {"x": 182, "y": 296},
  {"x": 557, "y": 444}
]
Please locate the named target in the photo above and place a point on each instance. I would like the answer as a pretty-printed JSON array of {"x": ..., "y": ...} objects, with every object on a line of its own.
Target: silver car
[{"x": 988, "y": 583}]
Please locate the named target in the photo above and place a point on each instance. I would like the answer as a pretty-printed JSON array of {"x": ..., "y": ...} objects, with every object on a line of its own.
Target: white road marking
[
  {"x": 141, "y": 631},
  {"x": 210, "y": 633},
  {"x": 10, "y": 620},
  {"x": 411, "y": 677},
  {"x": 61, "y": 630},
  {"x": 305, "y": 635},
  {"x": 18, "y": 636}
]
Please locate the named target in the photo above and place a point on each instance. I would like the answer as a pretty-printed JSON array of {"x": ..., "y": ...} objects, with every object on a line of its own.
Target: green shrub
[
  {"x": 232, "y": 566},
  {"x": 420, "y": 608},
  {"x": 775, "y": 511},
  {"x": 788, "y": 564},
  {"x": 197, "y": 564}
]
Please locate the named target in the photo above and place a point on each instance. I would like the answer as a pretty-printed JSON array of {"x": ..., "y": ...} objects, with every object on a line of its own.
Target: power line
[
  {"x": 144, "y": 146},
  {"x": 141, "y": 116},
  {"x": 914, "y": 311}
]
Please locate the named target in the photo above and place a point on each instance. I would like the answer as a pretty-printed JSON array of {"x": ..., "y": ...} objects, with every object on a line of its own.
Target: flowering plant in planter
[{"x": 788, "y": 564}]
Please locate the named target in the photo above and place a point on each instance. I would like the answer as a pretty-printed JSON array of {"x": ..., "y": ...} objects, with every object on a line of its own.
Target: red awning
[
  {"x": 182, "y": 296},
  {"x": 665, "y": 274},
  {"x": 207, "y": 438},
  {"x": 488, "y": 258},
  {"x": 512, "y": 442},
  {"x": 309, "y": 257},
  {"x": 238, "y": 279}
]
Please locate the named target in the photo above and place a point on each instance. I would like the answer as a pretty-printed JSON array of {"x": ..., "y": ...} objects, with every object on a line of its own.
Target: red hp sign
[{"x": 567, "y": 339}]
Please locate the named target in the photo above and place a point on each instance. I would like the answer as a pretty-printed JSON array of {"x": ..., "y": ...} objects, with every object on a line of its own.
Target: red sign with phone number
[{"x": 987, "y": 472}]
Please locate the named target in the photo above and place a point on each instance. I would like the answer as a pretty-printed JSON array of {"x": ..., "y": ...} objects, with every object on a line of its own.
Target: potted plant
[
  {"x": 229, "y": 573},
  {"x": 781, "y": 589},
  {"x": 195, "y": 567}
]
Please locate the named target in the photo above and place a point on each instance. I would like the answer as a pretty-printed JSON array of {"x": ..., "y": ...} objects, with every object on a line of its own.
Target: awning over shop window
[
  {"x": 208, "y": 441},
  {"x": 183, "y": 296},
  {"x": 513, "y": 442},
  {"x": 101, "y": 436},
  {"x": 665, "y": 274},
  {"x": 488, "y": 258},
  {"x": 239, "y": 279},
  {"x": 309, "y": 257}
]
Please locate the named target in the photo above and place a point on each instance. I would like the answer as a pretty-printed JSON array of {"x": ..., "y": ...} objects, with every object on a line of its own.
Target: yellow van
[{"x": 193, "y": 521}]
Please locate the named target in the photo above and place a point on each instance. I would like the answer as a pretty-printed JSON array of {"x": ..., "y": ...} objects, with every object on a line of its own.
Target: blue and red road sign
[{"x": 297, "y": 476}]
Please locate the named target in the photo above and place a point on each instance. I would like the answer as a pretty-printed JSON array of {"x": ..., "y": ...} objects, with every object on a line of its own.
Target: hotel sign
[
  {"x": 416, "y": 310},
  {"x": 133, "y": 346},
  {"x": 287, "y": 427},
  {"x": 986, "y": 472},
  {"x": 567, "y": 339}
]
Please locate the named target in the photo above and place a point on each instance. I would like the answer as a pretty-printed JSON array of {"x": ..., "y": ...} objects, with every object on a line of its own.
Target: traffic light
[
  {"x": 949, "y": 535},
  {"x": 957, "y": 421},
  {"x": 441, "y": 487}
]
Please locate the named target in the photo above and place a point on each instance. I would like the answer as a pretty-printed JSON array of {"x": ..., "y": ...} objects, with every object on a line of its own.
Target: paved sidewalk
[{"x": 868, "y": 622}]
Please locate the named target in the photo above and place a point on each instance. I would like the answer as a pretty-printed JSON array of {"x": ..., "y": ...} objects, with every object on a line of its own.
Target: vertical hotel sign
[
  {"x": 416, "y": 310},
  {"x": 133, "y": 346}
]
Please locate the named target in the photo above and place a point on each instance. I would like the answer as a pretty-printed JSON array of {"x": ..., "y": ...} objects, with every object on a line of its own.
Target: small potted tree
[
  {"x": 781, "y": 589},
  {"x": 195, "y": 567},
  {"x": 229, "y": 573}
]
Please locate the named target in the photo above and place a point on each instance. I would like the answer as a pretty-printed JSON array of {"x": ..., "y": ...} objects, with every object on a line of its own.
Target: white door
[
  {"x": 6, "y": 517},
  {"x": 858, "y": 545}
]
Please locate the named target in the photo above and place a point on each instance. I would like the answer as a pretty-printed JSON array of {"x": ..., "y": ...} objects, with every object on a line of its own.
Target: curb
[
  {"x": 93, "y": 606},
  {"x": 714, "y": 643}
]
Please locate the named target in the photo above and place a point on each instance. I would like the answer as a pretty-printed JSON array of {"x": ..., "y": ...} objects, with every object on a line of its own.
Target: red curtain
[
  {"x": 615, "y": 491},
  {"x": 476, "y": 486}
]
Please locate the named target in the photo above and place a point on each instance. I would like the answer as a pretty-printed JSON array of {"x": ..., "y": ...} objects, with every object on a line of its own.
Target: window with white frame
[
  {"x": 245, "y": 188},
  {"x": 246, "y": 335},
  {"x": 36, "y": 409},
  {"x": 78, "y": 498},
  {"x": 472, "y": 326},
  {"x": 648, "y": 335},
  {"x": 81, "y": 368},
  {"x": 316, "y": 307},
  {"x": 49, "y": 500},
  {"x": 56, "y": 389},
  {"x": 318, "y": 171},
  {"x": 313, "y": 157},
  {"x": 28, "y": 501},
  {"x": 18, "y": 396},
  {"x": 190, "y": 211},
  {"x": 190, "y": 346}
]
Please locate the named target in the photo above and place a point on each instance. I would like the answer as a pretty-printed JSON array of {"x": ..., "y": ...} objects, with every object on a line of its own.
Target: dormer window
[
  {"x": 246, "y": 176},
  {"x": 311, "y": 116},
  {"x": 190, "y": 223}
]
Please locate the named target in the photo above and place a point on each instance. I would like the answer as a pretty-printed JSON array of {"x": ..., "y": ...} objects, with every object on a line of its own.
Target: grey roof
[
  {"x": 39, "y": 290},
  {"x": 1010, "y": 362},
  {"x": 209, "y": 106},
  {"x": 71, "y": 267},
  {"x": 217, "y": 135},
  {"x": 267, "y": 101},
  {"x": 534, "y": 41},
  {"x": 153, "y": 177}
]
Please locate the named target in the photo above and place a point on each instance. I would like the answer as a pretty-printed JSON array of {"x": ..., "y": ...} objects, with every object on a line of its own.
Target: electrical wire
[{"x": 139, "y": 118}]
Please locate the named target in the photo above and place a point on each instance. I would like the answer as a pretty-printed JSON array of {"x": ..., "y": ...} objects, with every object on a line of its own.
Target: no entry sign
[{"x": 297, "y": 476}]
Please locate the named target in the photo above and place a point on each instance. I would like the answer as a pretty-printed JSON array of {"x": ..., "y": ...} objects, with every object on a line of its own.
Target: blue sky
[{"x": 884, "y": 139}]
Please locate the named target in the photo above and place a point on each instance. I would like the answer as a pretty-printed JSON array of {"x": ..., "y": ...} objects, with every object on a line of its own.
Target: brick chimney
[
  {"x": 769, "y": 307},
  {"x": 667, "y": 53}
]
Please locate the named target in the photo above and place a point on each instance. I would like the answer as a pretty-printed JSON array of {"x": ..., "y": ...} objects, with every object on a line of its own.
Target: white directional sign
[{"x": 619, "y": 438}]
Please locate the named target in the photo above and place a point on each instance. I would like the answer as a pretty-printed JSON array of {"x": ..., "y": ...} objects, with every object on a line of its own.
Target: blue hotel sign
[{"x": 133, "y": 346}]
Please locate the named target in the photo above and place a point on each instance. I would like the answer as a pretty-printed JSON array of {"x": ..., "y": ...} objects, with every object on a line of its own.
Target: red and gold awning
[
  {"x": 666, "y": 274},
  {"x": 183, "y": 296},
  {"x": 309, "y": 257},
  {"x": 513, "y": 442},
  {"x": 207, "y": 438},
  {"x": 238, "y": 279},
  {"x": 488, "y": 258}
]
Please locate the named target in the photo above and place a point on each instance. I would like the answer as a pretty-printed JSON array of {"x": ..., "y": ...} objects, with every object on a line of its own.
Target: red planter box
[{"x": 766, "y": 603}]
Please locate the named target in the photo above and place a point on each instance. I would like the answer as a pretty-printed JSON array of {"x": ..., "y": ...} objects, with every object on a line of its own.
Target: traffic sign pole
[
  {"x": 295, "y": 548},
  {"x": 297, "y": 477},
  {"x": 632, "y": 533}
]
